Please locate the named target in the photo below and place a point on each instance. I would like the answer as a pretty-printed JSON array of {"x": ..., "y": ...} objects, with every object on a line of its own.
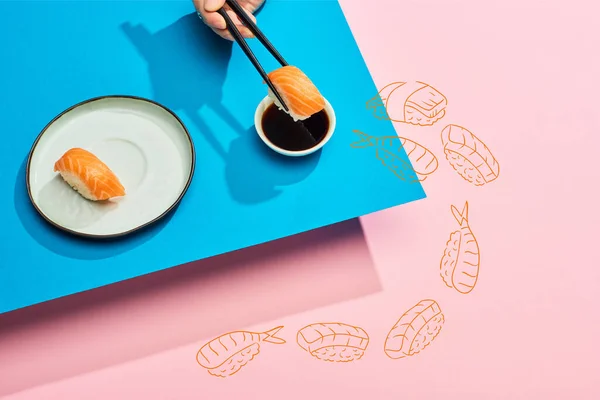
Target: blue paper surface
[{"x": 56, "y": 54}]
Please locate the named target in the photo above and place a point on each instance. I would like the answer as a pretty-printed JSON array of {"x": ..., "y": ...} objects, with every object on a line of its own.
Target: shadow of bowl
[
  {"x": 68, "y": 245},
  {"x": 254, "y": 182}
]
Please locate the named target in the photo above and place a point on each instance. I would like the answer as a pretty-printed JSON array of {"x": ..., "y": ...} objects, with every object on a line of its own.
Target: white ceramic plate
[{"x": 142, "y": 142}]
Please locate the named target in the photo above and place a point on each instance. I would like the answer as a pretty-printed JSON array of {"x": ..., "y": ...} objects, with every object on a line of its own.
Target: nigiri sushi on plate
[
  {"x": 110, "y": 166},
  {"x": 88, "y": 175}
]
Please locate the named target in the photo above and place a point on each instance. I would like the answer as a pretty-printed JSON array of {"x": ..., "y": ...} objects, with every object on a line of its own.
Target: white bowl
[{"x": 260, "y": 110}]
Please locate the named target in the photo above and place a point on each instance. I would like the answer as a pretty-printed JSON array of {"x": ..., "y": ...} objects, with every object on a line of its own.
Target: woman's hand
[{"x": 208, "y": 11}]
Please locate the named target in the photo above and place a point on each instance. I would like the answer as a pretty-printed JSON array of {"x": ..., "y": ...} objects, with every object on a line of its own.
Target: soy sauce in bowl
[{"x": 282, "y": 131}]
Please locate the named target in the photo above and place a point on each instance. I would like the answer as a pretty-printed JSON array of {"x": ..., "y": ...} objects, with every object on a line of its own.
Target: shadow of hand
[{"x": 187, "y": 65}]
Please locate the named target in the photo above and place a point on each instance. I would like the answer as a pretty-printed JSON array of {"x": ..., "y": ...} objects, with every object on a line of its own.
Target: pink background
[{"x": 523, "y": 77}]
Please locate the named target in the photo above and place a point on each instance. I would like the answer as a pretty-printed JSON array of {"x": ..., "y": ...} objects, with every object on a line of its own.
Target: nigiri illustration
[
  {"x": 88, "y": 175},
  {"x": 459, "y": 266},
  {"x": 469, "y": 156},
  {"x": 414, "y": 103},
  {"x": 298, "y": 92},
  {"x": 333, "y": 342},
  {"x": 227, "y": 354},
  {"x": 415, "y": 330},
  {"x": 387, "y": 150}
]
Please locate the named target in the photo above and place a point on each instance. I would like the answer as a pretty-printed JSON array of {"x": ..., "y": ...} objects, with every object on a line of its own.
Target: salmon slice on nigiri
[
  {"x": 297, "y": 91},
  {"x": 88, "y": 175}
]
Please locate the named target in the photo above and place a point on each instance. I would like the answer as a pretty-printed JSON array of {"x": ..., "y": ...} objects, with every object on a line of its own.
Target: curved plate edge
[{"x": 170, "y": 209}]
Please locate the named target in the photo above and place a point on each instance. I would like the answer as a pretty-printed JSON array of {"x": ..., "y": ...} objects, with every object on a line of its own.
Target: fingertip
[
  {"x": 213, "y": 5},
  {"x": 247, "y": 33},
  {"x": 252, "y": 17},
  {"x": 249, "y": 15},
  {"x": 225, "y": 34},
  {"x": 215, "y": 21},
  {"x": 234, "y": 17}
]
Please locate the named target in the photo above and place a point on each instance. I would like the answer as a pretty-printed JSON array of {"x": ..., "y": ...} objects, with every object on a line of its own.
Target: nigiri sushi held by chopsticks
[
  {"x": 289, "y": 87},
  {"x": 301, "y": 95},
  {"x": 88, "y": 175}
]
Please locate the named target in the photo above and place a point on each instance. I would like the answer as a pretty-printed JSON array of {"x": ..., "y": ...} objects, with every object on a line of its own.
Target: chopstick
[
  {"x": 235, "y": 6},
  {"x": 240, "y": 40}
]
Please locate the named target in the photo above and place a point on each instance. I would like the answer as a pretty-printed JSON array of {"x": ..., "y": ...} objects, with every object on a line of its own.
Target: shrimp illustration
[
  {"x": 387, "y": 150},
  {"x": 335, "y": 342},
  {"x": 469, "y": 156},
  {"x": 414, "y": 103},
  {"x": 415, "y": 330},
  {"x": 459, "y": 267},
  {"x": 227, "y": 354}
]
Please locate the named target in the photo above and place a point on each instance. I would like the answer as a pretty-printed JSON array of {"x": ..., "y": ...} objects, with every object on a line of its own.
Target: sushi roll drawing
[
  {"x": 333, "y": 342},
  {"x": 229, "y": 353},
  {"x": 88, "y": 175},
  {"x": 469, "y": 156},
  {"x": 459, "y": 267},
  {"x": 415, "y": 330},
  {"x": 298, "y": 92},
  {"x": 387, "y": 150},
  {"x": 414, "y": 103}
]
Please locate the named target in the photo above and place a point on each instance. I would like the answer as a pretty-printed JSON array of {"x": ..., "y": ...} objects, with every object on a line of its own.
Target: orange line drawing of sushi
[
  {"x": 333, "y": 341},
  {"x": 469, "y": 156},
  {"x": 387, "y": 149},
  {"x": 414, "y": 103},
  {"x": 229, "y": 353},
  {"x": 459, "y": 267},
  {"x": 415, "y": 330}
]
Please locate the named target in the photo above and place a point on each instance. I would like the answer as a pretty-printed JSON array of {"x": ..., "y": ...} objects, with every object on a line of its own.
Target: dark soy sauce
[{"x": 281, "y": 129}]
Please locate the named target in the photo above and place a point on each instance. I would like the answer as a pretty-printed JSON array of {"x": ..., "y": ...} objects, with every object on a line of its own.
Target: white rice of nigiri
[{"x": 295, "y": 116}]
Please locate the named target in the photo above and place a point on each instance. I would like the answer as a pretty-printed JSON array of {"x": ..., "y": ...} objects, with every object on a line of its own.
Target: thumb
[{"x": 213, "y": 5}]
